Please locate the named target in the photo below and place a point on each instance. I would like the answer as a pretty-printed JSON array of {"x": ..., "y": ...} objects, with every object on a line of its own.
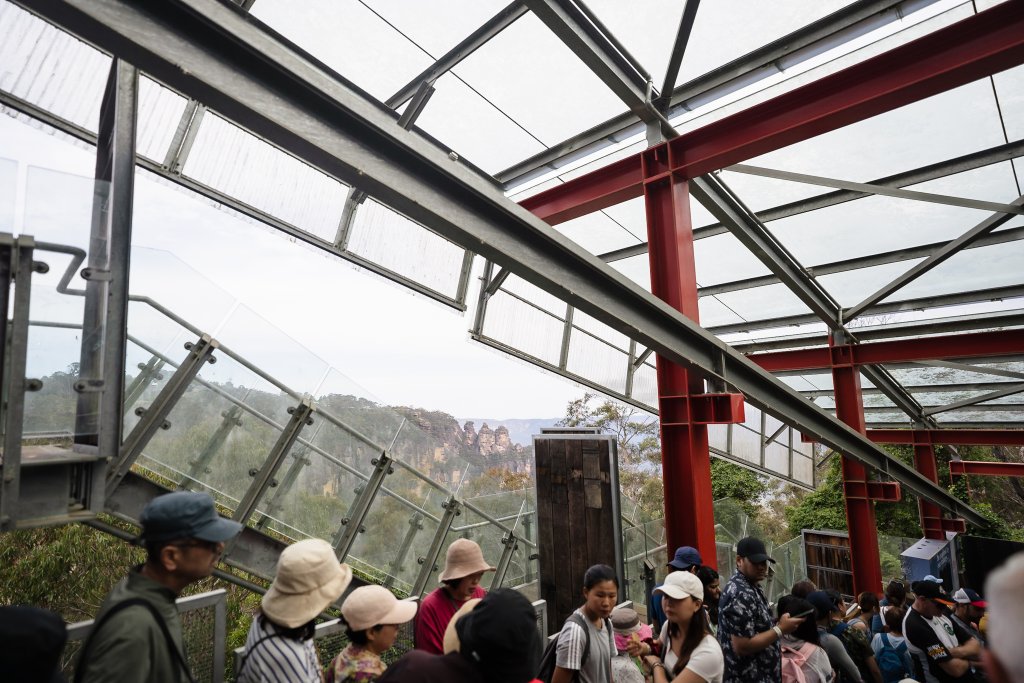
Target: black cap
[
  {"x": 931, "y": 591},
  {"x": 185, "y": 514},
  {"x": 823, "y": 603},
  {"x": 753, "y": 549},
  {"x": 31, "y": 640},
  {"x": 500, "y": 637}
]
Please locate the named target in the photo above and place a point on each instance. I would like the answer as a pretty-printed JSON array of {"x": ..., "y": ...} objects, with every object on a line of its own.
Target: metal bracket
[
  {"x": 452, "y": 509},
  {"x": 96, "y": 275},
  {"x": 86, "y": 385},
  {"x": 155, "y": 417},
  {"x": 352, "y": 525},
  {"x": 415, "y": 526},
  {"x": 511, "y": 543}
]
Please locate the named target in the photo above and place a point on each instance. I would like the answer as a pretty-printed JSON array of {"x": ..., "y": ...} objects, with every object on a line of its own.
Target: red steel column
[
  {"x": 860, "y": 509},
  {"x": 931, "y": 514},
  {"x": 686, "y": 463}
]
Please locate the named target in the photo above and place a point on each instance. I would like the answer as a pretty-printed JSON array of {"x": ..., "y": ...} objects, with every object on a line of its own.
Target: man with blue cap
[
  {"x": 686, "y": 559},
  {"x": 137, "y": 634}
]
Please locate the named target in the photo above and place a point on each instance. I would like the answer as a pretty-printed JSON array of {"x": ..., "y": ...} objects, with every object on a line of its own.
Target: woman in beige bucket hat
[
  {"x": 373, "y": 616},
  {"x": 464, "y": 566},
  {"x": 280, "y": 642}
]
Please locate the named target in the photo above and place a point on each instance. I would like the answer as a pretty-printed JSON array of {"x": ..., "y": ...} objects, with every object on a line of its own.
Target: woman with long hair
[
  {"x": 573, "y": 661},
  {"x": 712, "y": 592},
  {"x": 691, "y": 654},
  {"x": 801, "y": 649}
]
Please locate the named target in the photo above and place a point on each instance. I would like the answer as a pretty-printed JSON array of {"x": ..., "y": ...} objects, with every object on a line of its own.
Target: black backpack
[{"x": 547, "y": 661}]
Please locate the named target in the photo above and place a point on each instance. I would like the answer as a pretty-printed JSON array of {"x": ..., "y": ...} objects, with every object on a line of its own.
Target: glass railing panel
[
  {"x": 319, "y": 482},
  {"x": 67, "y": 221},
  {"x": 399, "y": 528},
  {"x": 221, "y": 429},
  {"x": 350, "y": 404},
  {"x": 146, "y": 373},
  {"x": 264, "y": 346}
]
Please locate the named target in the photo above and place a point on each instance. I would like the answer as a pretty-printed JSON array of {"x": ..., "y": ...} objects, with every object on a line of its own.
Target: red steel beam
[
  {"x": 979, "y": 46},
  {"x": 974, "y": 345},
  {"x": 987, "y": 469},
  {"x": 686, "y": 460},
  {"x": 949, "y": 437},
  {"x": 860, "y": 509}
]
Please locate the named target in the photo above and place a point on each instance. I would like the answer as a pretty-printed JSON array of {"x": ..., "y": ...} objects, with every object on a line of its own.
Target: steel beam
[
  {"x": 98, "y": 421},
  {"x": 860, "y": 509},
  {"x": 155, "y": 416},
  {"x": 201, "y": 465},
  {"x": 509, "y": 544},
  {"x": 675, "y": 60},
  {"x": 148, "y": 372},
  {"x": 972, "y": 345},
  {"x": 603, "y": 56},
  {"x": 986, "y": 469},
  {"x": 974, "y": 400},
  {"x": 949, "y": 250},
  {"x": 806, "y": 42},
  {"x": 1013, "y": 209},
  {"x": 952, "y": 437},
  {"x": 981, "y": 45},
  {"x": 232, "y": 66},
  {"x": 686, "y": 460}
]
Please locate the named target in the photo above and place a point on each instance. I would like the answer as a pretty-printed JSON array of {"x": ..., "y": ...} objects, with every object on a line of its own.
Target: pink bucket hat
[{"x": 463, "y": 559}]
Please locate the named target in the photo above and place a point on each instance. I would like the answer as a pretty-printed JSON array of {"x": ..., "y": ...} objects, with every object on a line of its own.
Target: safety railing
[{"x": 204, "y": 631}]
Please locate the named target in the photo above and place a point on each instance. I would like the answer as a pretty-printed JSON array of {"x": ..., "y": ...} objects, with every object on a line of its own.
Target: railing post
[
  {"x": 301, "y": 415},
  {"x": 510, "y": 543},
  {"x": 147, "y": 373},
  {"x": 232, "y": 418},
  {"x": 155, "y": 417},
  {"x": 299, "y": 460},
  {"x": 415, "y": 526},
  {"x": 352, "y": 525},
  {"x": 452, "y": 509},
  {"x": 15, "y": 264}
]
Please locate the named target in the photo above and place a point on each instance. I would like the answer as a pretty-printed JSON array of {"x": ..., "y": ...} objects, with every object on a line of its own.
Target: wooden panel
[{"x": 575, "y": 516}]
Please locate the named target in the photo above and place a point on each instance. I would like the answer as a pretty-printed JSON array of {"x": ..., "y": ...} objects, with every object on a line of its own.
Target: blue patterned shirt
[{"x": 743, "y": 611}]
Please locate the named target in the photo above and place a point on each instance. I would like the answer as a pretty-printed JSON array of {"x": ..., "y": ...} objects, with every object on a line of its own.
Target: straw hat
[
  {"x": 367, "y": 606},
  {"x": 309, "y": 578},
  {"x": 463, "y": 559},
  {"x": 451, "y": 638}
]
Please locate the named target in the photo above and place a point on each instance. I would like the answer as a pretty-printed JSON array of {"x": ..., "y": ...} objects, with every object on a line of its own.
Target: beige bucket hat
[
  {"x": 309, "y": 578},
  {"x": 367, "y": 606},
  {"x": 463, "y": 559}
]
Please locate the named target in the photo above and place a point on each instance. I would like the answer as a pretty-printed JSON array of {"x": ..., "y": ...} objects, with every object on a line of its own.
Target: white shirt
[{"x": 706, "y": 660}]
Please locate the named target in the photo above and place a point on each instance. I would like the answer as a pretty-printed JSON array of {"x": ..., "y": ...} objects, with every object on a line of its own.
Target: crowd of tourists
[{"x": 699, "y": 629}]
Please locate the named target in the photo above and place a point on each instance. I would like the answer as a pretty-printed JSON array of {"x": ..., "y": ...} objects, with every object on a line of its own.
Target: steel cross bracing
[
  {"x": 816, "y": 38},
  {"x": 210, "y": 53}
]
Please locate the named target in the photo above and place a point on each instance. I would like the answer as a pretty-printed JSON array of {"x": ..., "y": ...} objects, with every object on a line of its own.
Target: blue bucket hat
[
  {"x": 185, "y": 514},
  {"x": 685, "y": 558}
]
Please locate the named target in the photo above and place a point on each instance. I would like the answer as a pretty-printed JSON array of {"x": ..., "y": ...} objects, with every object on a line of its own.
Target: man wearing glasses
[{"x": 137, "y": 633}]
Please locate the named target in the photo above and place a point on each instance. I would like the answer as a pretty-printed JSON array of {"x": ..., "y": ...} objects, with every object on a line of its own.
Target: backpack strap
[
  {"x": 157, "y": 617},
  {"x": 582, "y": 623}
]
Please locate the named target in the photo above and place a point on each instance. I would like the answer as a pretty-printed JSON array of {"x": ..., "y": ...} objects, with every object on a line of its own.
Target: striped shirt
[{"x": 277, "y": 659}]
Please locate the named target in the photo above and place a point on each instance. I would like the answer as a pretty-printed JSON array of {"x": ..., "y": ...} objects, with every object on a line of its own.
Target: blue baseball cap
[
  {"x": 185, "y": 514},
  {"x": 933, "y": 579},
  {"x": 686, "y": 557}
]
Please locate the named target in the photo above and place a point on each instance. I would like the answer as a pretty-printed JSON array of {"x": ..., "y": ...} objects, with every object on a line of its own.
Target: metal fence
[{"x": 204, "y": 630}]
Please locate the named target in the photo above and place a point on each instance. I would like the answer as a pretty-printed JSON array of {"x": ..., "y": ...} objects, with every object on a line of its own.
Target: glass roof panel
[
  {"x": 550, "y": 92},
  {"x": 160, "y": 111},
  {"x": 50, "y": 68},
  {"x": 285, "y": 187},
  {"x": 437, "y": 27},
  {"x": 472, "y": 127},
  {"x": 372, "y": 55},
  {"x": 763, "y": 302},
  {"x": 390, "y": 239}
]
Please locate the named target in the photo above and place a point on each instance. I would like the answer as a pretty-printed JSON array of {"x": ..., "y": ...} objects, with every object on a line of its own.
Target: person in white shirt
[{"x": 691, "y": 653}]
